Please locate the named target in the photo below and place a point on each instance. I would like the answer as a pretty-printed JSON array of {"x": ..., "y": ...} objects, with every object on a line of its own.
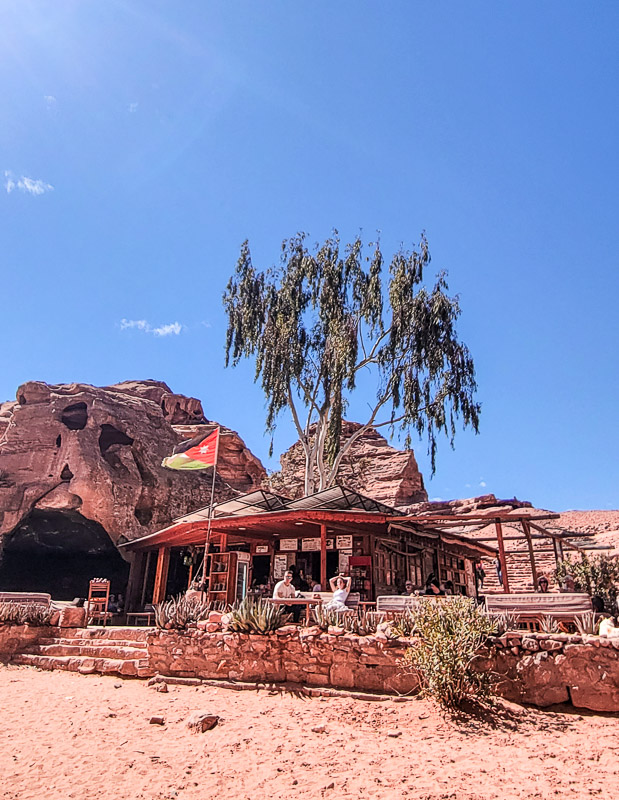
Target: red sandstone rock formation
[
  {"x": 372, "y": 467},
  {"x": 97, "y": 452}
]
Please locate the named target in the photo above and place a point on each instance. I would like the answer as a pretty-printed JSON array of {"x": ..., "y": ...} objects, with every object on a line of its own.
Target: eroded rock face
[
  {"x": 372, "y": 467},
  {"x": 97, "y": 452}
]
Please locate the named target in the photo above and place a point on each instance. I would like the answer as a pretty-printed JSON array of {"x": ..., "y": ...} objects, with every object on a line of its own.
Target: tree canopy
[{"x": 320, "y": 317}]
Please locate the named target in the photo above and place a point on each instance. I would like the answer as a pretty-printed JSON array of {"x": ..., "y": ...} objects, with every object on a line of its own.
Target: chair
[{"x": 98, "y": 599}]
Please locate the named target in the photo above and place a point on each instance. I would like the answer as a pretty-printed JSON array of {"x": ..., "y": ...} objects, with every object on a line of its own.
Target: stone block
[{"x": 72, "y": 617}]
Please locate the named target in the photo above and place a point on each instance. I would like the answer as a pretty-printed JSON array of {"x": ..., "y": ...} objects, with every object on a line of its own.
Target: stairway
[{"x": 107, "y": 651}]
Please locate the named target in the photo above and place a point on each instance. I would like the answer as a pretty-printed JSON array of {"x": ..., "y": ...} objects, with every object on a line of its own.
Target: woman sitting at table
[{"x": 340, "y": 586}]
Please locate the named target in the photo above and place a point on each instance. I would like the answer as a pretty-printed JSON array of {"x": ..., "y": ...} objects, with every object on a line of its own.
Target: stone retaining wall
[{"x": 537, "y": 668}]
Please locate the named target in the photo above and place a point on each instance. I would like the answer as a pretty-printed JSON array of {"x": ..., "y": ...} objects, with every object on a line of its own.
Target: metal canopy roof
[
  {"x": 339, "y": 498},
  {"x": 251, "y": 503}
]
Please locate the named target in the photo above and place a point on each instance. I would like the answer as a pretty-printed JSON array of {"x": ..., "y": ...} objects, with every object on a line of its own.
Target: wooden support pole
[
  {"x": 161, "y": 576},
  {"x": 149, "y": 556},
  {"x": 323, "y": 557},
  {"x": 527, "y": 532},
  {"x": 499, "y": 536}
]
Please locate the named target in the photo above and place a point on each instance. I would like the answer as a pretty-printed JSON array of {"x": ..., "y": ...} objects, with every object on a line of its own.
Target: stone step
[
  {"x": 94, "y": 650},
  {"x": 53, "y": 640},
  {"x": 84, "y": 665},
  {"x": 124, "y": 633}
]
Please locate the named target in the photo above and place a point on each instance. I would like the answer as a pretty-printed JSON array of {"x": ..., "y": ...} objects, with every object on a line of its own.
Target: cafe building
[{"x": 251, "y": 540}]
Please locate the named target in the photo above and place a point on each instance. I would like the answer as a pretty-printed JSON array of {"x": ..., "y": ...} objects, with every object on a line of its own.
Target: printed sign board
[
  {"x": 262, "y": 549},
  {"x": 288, "y": 544},
  {"x": 344, "y": 561},
  {"x": 343, "y": 542},
  {"x": 280, "y": 565},
  {"x": 314, "y": 544}
]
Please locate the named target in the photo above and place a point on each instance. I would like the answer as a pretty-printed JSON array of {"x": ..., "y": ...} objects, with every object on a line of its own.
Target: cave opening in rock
[
  {"x": 75, "y": 416},
  {"x": 59, "y": 552},
  {"x": 109, "y": 436}
]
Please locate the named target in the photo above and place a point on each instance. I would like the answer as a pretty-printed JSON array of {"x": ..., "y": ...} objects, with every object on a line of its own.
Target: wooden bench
[
  {"x": 27, "y": 598},
  {"x": 532, "y": 608}
]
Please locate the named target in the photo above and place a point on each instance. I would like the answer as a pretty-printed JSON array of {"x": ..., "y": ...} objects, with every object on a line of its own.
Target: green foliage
[
  {"x": 179, "y": 612},
  {"x": 358, "y": 622},
  {"x": 449, "y": 637},
  {"x": 315, "y": 321},
  {"x": 256, "y": 615},
  {"x": 593, "y": 574},
  {"x": 25, "y": 614}
]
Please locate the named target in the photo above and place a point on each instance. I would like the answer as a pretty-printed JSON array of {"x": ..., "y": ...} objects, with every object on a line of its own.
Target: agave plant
[
  {"x": 549, "y": 624},
  {"x": 405, "y": 623},
  {"x": 178, "y": 612},
  {"x": 587, "y": 623},
  {"x": 256, "y": 615},
  {"x": 506, "y": 621}
]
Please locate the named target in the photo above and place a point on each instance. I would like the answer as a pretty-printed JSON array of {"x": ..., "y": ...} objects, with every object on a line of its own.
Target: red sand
[{"x": 65, "y": 735}]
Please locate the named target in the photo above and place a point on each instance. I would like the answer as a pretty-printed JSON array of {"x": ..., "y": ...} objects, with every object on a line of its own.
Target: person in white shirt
[
  {"x": 284, "y": 589},
  {"x": 340, "y": 586}
]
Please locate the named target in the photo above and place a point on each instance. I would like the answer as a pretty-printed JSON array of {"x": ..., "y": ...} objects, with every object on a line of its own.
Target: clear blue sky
[{"x": 142, "y": 142}]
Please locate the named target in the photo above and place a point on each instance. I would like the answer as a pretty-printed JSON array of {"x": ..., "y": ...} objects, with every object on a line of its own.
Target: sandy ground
[{"x": 65, "y": 735}]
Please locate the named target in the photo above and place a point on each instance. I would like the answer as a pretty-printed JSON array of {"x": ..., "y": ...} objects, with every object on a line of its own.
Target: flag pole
[{"x": 210, "y": 510}]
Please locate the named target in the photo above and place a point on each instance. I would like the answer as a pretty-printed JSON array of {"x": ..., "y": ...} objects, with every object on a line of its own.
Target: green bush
[
  {"x": 24, "y": 614},
  {"x": 595, "y": 575},
  {"x": 449, "y": 637},
  {"x": 179, "y": 612},
  {"x": 256, "y": 615}
]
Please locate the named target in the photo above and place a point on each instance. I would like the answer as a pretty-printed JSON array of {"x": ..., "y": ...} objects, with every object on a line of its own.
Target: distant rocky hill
[{"x": 372, "y": 467}]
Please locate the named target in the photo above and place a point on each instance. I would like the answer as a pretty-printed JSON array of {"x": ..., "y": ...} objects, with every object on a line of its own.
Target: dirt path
[{"x": 64, "y": 735}]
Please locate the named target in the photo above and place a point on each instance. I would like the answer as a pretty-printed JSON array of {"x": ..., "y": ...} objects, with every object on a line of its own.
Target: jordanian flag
[{"x": 199, "y": 456}]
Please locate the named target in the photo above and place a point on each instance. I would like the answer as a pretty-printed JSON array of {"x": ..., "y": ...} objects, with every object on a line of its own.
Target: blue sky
[{"x": 142, "y": 142}]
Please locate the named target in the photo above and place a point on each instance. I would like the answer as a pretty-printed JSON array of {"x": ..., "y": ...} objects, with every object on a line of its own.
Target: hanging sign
[
  {"x": 262, "y": 549},
  {"x": 343, "y": 542},
  {"x": 280, "y": 565},
  {"x": 288, "y": 544},
  {"x": 314, "y": 544}
]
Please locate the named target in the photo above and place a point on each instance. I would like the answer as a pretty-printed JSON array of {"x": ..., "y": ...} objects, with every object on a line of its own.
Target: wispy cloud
[
  {"x": 169, "y": 329},
  {"x": 50, "y": 101},
  {"x": 24, "y": 184},
  {"x": 132, "y": 108},
  {"x": 482, "y": 483}
]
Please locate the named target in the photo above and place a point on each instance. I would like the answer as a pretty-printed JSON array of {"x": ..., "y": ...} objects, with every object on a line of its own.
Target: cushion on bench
[{"x": 539, "y": 604}]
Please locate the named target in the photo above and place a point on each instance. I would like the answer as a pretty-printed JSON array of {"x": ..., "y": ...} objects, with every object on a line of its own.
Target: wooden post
[
  {"x": 323, "y": 557},
  {"x": 223, "y": 543},
  {"x": 527, "y": 532},
  {"x": 149, "y": 556},
  {"x": 161, "y": 576},
  {"x": 136, "y": 578},
  {"x": 499, "y": 536}
]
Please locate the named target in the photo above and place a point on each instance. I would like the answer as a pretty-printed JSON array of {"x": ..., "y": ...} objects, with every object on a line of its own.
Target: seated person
[
  {"x": 542, "y": 584},
  {"x": 112, "y": 604},
  {"x": 120, "y": 602},
  {"x": 409, "y": 589},
  {"x": 432, "y": 585},
  {"x": 449, "y": 588},
  {"x": 285, "y": 590},
  {"x": 568, "y": 584},
  {"x": 340, "y": 586},
  {"x": 314, "y": 585}
]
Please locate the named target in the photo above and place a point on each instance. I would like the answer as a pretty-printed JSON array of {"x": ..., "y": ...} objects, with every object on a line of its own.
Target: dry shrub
[
  {"x": 450, "y": 635},
  {"x": 25, "y": 614}
]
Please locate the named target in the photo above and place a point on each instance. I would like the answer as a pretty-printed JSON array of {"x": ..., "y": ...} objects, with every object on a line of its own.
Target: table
[
  {"x": 138, "y": 616},
  {"x": 297, "y": 601}
]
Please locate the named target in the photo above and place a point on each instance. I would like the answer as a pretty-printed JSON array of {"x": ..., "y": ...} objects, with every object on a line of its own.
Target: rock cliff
[
  {"x": 95, "y": 454},
  {"x": 372, "y": 467}
]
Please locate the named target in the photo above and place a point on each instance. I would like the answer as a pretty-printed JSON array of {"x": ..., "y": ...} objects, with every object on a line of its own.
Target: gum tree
[{"x": 313, "y": 323}]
